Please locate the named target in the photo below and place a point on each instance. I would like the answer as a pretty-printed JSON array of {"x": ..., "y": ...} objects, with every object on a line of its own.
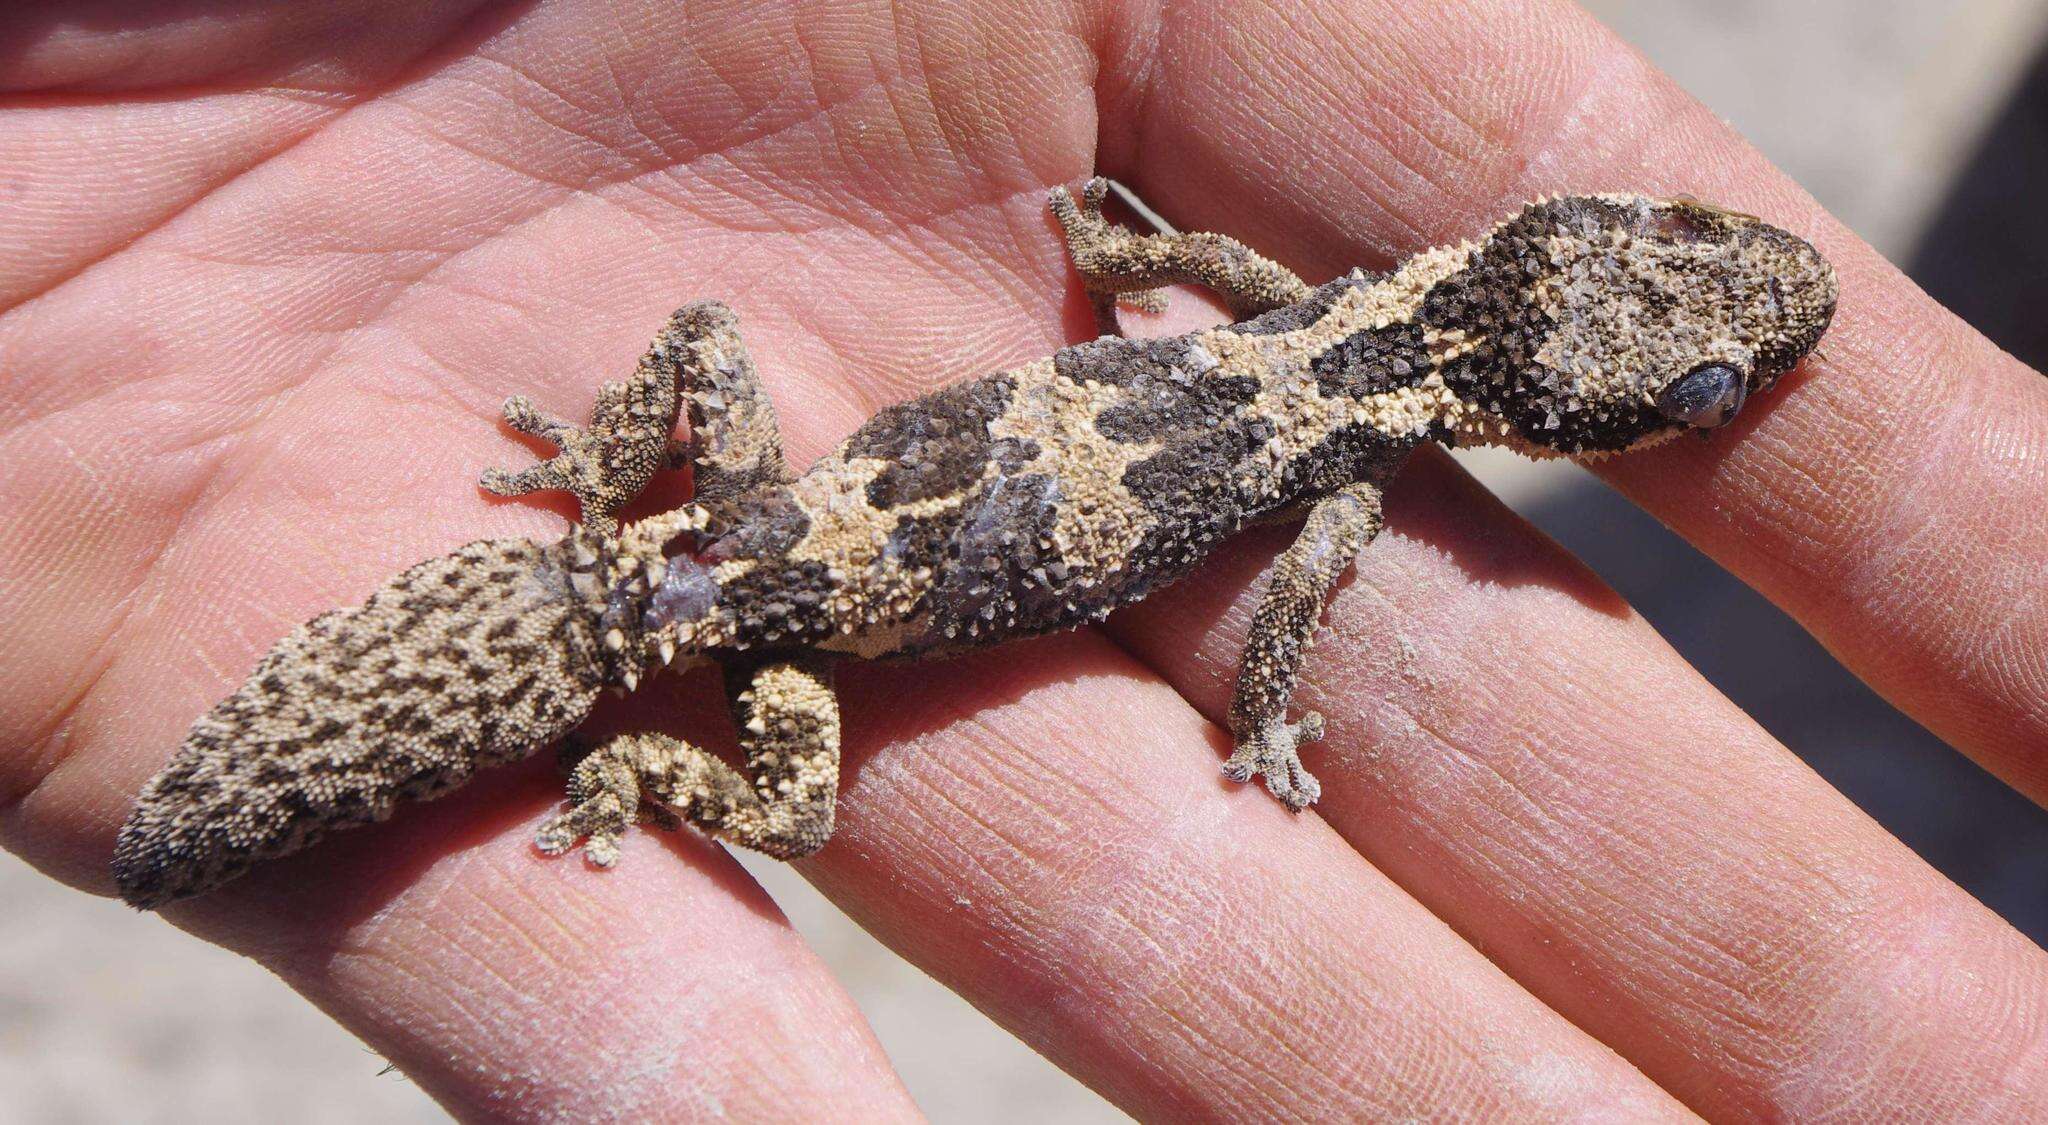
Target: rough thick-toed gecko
[{"x": 1035, "y": 499}]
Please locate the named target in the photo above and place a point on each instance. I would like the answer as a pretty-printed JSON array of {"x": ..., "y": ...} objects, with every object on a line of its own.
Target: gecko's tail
[{"x": 472, "y": 659}]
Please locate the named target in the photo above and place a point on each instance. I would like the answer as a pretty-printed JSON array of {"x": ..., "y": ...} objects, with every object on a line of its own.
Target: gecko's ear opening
[{"x": 1705, "y": 397}]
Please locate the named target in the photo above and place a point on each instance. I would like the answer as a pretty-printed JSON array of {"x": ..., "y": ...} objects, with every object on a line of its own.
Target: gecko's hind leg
[
  {"x": 698, "y": 361},
  {"x": 1118, "y": 264},
  {"x": 735, "y": 446},
  {"x": 629, "y": 439},
  {"x": 1268, "y": 746},
  {"x": 789, "y": 730}
]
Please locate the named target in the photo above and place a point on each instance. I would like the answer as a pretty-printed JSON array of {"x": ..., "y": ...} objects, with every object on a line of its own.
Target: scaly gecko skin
[{"x": 1031, "y": 500}]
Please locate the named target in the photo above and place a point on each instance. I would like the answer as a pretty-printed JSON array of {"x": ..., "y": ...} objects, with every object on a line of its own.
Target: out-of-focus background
[{"x": 1923, "y": 126}]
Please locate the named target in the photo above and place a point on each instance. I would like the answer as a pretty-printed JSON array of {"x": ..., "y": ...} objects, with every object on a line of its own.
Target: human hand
[{"x": 276, "y": 271}]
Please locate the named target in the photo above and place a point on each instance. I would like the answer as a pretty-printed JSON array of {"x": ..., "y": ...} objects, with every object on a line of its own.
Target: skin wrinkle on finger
[
  {"x": 126, "y": 216},
  {"x": 73, "y": 214},
  {"x": 1134, "y": 919},
  {"x": 1638, "y": 877},
  {"x": 146, "y": 49}
]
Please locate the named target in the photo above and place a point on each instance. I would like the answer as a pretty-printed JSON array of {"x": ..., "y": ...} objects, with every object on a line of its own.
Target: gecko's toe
[
  {"x": 1296, "y": 787},
  {"x": 595, "y": 826},
  {"x": 1309, "y": 729},
  {"x": 601, "y": 850},
  {"x": 1273, "y": 755},
  {"x": 557, "y": 834},
  {"x": 604, "y": 802},
  {"x": 534, "y": 478}
]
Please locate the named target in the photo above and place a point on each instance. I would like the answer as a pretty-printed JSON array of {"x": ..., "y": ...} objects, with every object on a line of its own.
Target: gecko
[{"x": 1035, "y": 499}]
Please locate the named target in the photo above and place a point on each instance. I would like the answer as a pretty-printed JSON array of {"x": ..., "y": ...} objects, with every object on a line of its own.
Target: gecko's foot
[
  {"x": 1273, "y": 753},
  {"x": 583, "y": 467},
  {"x": 604, "y": 800},
  {"x": 1098, "y": 249},
  {"x": 599, "y": 829},
  {"x": 573, "y": 751}
]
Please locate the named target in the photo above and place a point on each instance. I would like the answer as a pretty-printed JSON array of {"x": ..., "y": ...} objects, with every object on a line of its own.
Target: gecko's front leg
[
  {"x": 782, "y": 804},
  {"x": 735, "y": 446},
  {"x": 1284, "y": 625},
  {"x": 1117, "y": 264}
]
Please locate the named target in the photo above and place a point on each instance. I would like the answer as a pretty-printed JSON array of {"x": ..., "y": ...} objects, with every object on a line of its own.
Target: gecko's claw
[{"x": 1273, "y": 754}]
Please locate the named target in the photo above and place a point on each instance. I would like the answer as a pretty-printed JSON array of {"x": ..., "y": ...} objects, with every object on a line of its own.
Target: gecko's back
[{"x": 1045, "y": 496}]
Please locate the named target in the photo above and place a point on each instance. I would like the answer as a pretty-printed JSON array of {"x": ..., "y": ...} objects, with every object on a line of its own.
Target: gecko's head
[{"x": 1601, "y": 323}]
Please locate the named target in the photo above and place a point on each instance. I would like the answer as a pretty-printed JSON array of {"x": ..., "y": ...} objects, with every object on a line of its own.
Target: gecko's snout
[{"x": 1801, "y": 292}]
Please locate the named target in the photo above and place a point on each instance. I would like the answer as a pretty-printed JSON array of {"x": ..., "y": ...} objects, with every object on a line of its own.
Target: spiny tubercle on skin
[{"x": 1030, "y": 500}]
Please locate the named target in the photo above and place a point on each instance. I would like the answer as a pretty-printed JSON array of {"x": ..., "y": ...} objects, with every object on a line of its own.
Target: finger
[
  {"x": 514, "y": 987},
  {"x": 1045, "y": 832},
  {"x": 1889, "y": 499},
  {"x": 1513, "y": 746}
]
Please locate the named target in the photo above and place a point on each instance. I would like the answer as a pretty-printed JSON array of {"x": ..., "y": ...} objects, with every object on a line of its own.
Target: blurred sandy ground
[{"x": 1877, "y": 107}]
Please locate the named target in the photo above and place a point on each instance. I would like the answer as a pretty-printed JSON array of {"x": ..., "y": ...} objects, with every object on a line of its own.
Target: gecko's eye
[{"x": 1705, "y": 397}]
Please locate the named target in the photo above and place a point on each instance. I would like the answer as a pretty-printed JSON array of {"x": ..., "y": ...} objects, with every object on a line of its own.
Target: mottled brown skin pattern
[
  {"x": 463, "y": 661},
  {"x": 1027, "y": 501}
]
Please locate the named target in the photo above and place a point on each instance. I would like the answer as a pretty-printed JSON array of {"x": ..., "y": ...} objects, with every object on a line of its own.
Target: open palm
[{"x": 271, "y": 270}]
